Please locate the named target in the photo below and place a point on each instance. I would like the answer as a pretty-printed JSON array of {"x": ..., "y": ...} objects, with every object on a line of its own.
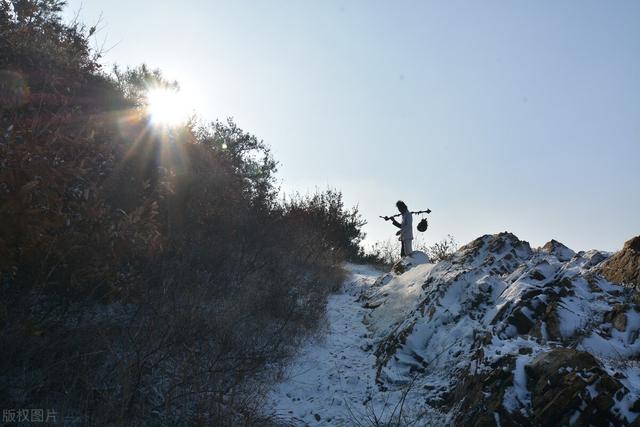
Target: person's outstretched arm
[{"x": 393, "y": 221}]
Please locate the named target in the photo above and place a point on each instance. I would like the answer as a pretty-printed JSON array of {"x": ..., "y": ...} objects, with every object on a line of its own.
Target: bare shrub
[
  {"x": 443, "y": 250},
  {"x": 393, "y": 411},
  {"x": 387, "y": 252},
  {"x": 384, "y": 252},
  {"x": 439, "y": 251}
]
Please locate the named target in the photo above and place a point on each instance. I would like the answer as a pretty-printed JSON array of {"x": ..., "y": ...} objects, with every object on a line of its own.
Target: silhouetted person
[{"x": 406, "y": 228}]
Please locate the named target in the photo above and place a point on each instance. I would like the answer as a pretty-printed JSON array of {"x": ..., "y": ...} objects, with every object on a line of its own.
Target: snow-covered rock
[
  {"x": 499, "y": 335},
  {"x": 503, "y": 334},
  {"x": 557, "y": 249},
  {"x": 410, "y": 261}
]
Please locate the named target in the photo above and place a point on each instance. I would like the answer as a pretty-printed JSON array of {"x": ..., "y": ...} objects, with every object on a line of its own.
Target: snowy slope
[
  {"x": 502, "y": 334},
  {"x": 499, "y": 306},
  {"x": 332, "y": 380}
]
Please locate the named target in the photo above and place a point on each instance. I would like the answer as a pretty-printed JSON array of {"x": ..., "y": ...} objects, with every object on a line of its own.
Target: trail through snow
[
  {"x": 332, "y": 379},
  {"x": 465, "y": 329}
]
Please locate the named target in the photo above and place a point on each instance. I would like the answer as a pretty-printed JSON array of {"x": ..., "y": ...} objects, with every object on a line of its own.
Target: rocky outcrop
[
  {"x": 502, "y": 252},
  {"x": 563, "y": 387},
  {"x": 569, "y": 387},
  {"x": 505, "y": 335},
  {"x": 479, "y": 397},
  {"x": 560, "y": 251},
  {"x": 624, "y": 266},
  {"x": 406, "y": 263}
]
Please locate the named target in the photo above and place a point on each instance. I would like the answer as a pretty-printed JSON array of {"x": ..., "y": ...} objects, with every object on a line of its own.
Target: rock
[
  {"x": 536, "y": 275},
  {"x": 618, "y": 317},
  {"x": 624, "y": 266},
  {"x": 558, "y": 381},
  {"x": 525, "y": 350},
  {"x": 373, "y": 304},
  {"x": 504, "y": 251},
  {"x": 550, "y": 362},
  {"x": 594, "y": 257},
  {"x": 399, "y": 268},
  {"x": 418, "y": 257},
  {"x": 317, "y": 417},
  {"x": 636, "y": 406},
  {"x": 620, "y": 322},
  {"x": 408, "y": 262},
  {"x": 488, "y": 337},
  {"x": 522, "y": 323},
  {"x": 559, "y": 250},
  {"x": 603, "y": 402},
  {"x": 608, "y": 385},
  {"x": 552, "y": 322},
  {"x": 496, "y": 305},
  {"x": 382, "y": 280},
  {"x": 479, "y": 396}
]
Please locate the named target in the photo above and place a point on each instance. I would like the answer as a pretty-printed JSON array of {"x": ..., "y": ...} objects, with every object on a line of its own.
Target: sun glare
[{"x": 167, "y": 107}]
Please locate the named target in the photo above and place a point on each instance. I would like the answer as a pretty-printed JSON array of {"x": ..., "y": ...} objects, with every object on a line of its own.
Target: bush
[
  {"x": 439, "y": 251},
  {"x": 387, "y": 252},
  {"x": 145, "y": 276},
  {"x": 340, "y": 230}
]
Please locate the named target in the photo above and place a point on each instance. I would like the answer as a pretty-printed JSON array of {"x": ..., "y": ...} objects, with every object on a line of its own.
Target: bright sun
[{"x": 167, "y": 107}]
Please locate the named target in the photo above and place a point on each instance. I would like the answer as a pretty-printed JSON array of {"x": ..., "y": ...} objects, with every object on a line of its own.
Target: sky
[{"x": 497, "y": 115}]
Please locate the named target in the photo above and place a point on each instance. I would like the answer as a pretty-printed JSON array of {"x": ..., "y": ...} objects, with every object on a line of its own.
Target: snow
[
  {"x": 437, "y": 323},
  {"x": 571, "y": 319},
  {"x": 517, "y": 396},
  {"x": 332, "y": 379},
  {"x": 397, "y": 298}
]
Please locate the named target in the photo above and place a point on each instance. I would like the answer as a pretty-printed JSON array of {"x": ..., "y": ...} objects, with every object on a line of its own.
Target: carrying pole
[{"x": 427, "y": 211}]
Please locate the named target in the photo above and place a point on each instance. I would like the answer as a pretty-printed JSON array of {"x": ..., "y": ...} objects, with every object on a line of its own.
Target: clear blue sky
[{"x": 513, "y": 115}]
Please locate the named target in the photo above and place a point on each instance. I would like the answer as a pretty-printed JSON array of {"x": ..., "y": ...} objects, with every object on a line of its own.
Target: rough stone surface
[
  {"x": 624, "y": 266},
  {"x": 410, "y": 261},
  {"x": 559, "y": 381},
  {"x": 505, "y": 335},
  {"x": 563, "y": 253},
  {"x": 617, "y": 317},
  {"x": 479, "y": 396}
]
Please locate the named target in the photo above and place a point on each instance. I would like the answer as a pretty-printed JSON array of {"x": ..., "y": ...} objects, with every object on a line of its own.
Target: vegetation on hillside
[
  {"x": 145, "y": 274},
  {"x": 387, "y": 252}
]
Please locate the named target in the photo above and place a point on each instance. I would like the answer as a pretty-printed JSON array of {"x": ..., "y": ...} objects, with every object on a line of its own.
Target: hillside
[
  {"x": 151, "y": 270},
  {"x": 502, "y": 334}
]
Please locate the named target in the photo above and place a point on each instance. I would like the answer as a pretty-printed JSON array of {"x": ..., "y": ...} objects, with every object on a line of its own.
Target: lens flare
[{"x": 167, "y": 107}]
